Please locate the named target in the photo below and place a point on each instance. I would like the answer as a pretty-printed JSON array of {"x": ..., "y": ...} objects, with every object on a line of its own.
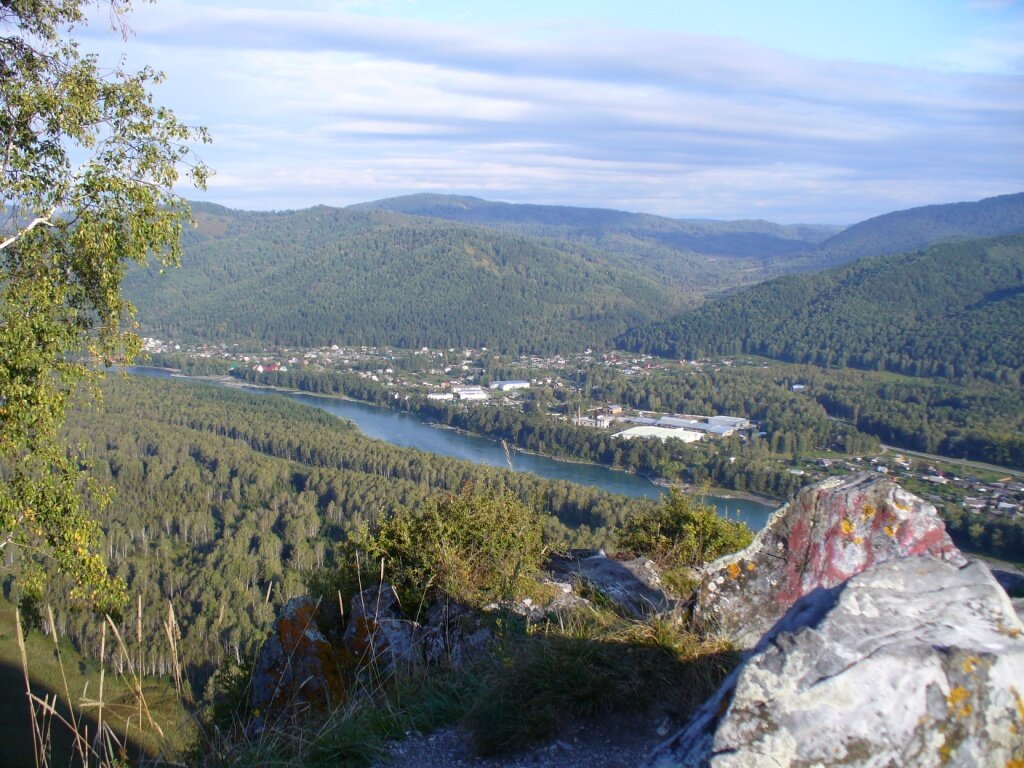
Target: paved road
[{"x": 950, "y": 460}]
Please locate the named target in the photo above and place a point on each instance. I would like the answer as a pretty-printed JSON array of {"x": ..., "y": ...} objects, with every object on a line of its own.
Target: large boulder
[
  {"x": 378, "y": 633},
  {"x": 829, "y": 532},
  {"x": 297, "y": 668},
  {"x": 632, "y": 585},
  {"x": 913, "y": 663},
  {"x": 453, "y": 634}
]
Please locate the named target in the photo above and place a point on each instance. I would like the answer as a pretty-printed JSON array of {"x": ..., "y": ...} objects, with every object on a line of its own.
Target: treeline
[
  {"x": 954, "y": 311},
  {"x": 224, "y": 501},
  {"x": 1001, "y": 537},
  {"x": 797, "y": 424},
  {"x": 326, "y": 276},
  {"x": 974, "y": 420}
]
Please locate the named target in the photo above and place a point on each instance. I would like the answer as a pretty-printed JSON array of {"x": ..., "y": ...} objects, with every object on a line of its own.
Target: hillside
[
  {"x": 326, "y": 275},
  {"x": 951, "y": 310},
  {"x": 914, "y": 228},
  {"x": 744, "y": 238},
  {"x": 698, "y": 255}
]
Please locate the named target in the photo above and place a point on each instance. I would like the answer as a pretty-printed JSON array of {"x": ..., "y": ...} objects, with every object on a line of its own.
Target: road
[{"x": 951, "y": 460}]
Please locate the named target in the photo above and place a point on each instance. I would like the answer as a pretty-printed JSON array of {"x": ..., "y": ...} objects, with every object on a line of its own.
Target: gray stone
[
  {"x": 297, "y": 668},
  {"x": 633, "y": 585},
  {"x": 453, "y": 634},
  {"x": 378, "y": 632},
  {"x": 829, "y": 532},
  {"x": 913, "y": 663}
]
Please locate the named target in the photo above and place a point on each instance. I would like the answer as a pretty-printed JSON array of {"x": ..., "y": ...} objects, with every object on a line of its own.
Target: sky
[{"x": 817, "y": 112}]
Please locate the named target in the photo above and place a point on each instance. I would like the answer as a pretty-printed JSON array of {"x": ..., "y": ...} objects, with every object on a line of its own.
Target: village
[{"x": 471, "y": 376}]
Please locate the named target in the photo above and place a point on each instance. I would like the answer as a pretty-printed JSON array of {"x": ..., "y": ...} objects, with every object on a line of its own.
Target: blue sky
[{"x": 828, "y": 111}]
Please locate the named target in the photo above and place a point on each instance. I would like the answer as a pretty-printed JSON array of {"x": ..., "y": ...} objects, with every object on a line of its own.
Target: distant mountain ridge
[
  {"x": 951, "y": 310},
  {"x": 742, "y": 238},
  {"x": 907, "y": 230},
  {"x": 328, "y": 275},
  {"x": 443, "y": 270}
]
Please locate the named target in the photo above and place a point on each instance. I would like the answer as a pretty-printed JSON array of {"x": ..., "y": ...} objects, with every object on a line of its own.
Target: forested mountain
[
  {"x": 951, "y": 310},
  {"x": 914, "y": 228},
  {"x": 327, "y": 275},
  {"x": 744, "y": 238},
  {"x": 441, "y": 270},
  {"x": 696, "y": 255}
]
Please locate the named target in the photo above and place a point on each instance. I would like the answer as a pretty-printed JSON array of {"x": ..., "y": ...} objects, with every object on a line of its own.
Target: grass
[
  {"x": 49, "y": 668},
  {"x": 521, "y": 692}
]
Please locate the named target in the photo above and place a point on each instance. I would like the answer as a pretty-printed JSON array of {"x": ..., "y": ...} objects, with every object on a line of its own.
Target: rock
[
  {"x": 826, "y": 534},
  {"x": 633, "y": 585},
  {"x": 453, "y": 634},
  {"x": 378, "y": 632},
  {"x": 297, "y": 667},
  {"x": 912, "y": 663}
]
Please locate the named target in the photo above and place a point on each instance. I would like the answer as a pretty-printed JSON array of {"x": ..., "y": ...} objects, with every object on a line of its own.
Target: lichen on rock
[
  {"x": 829, "y": 532},
  {"x": 913, "y": 662}
]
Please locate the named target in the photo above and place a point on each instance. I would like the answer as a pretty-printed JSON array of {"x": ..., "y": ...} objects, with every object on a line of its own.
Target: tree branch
[{"x": 39, "y": 221}]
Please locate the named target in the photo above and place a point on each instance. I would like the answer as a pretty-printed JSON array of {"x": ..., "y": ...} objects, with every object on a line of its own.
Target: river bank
[{"x": 410, "y": 430}]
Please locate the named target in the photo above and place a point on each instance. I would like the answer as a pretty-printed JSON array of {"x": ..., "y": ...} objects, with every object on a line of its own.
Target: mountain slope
[
  {"x": 903, "y": 231},
  {"x": 953, "y": 309},
  {"x": 697, "y": 255},
  {"x": 327, "y": 275}
]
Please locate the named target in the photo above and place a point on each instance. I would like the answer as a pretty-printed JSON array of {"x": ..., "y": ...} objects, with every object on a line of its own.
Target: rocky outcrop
[
  {"x": 378, "y": 633},
  {"x": 453, "y": 634},
  {"x": 828, "y": 532},
  {"x": 913, "y": 663},
  {"x": 632, "y": 585},
  {"x": 297, "y": 668}
]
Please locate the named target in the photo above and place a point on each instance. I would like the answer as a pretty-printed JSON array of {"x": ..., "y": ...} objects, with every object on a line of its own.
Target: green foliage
[
  {"x": 591, "y": 664},
  {"x": 954, "y": 310},
  {"x": 227, "y": 501},
  {"x": 86, "y": 181},
  {"x": 902, "y": 231},
  {"x": 681, "y": 531},
  {"x": 328, "y": 275},
  {"x": 477, "y": 546}
]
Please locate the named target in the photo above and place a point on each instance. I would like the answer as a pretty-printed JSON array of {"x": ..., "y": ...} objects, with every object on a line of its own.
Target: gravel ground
[{"x": 609, "y": 742}]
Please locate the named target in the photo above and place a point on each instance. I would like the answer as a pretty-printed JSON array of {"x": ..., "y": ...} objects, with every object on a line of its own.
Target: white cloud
[{"x": 323, "y": 107}]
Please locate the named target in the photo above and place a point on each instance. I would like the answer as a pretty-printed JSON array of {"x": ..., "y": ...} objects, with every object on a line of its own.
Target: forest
[
  {"x": 225, "y": 503},
  {"x": 328, "y": 275},
  {"x": 954, "y": 311}
]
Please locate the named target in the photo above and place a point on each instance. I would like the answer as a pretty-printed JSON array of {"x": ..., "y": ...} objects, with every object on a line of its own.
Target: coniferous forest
[{"x": 224, "y": 503}]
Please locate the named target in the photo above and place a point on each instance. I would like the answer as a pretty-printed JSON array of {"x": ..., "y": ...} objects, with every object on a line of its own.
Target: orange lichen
[
  {"x": 970, "y": 664},
  {"x": 847, "y": 527},
  {"x": 890, "y": 531},
  {"x": 734, "y": 571},
  {"x": 750, "y": 566},
  {"x": 958, "y": 695},
  {"x": 868, "y": 512},
  {"x": 957, "y": 701},
  {"x": 858, "y": 540}
]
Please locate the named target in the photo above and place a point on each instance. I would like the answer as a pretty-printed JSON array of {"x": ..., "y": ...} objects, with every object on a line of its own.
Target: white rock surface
[{"x": 912, "y": 663}]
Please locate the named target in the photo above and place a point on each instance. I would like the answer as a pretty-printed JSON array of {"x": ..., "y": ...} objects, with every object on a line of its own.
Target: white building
[
  {"x": 470, "y": 393},
  {"x": 508, "y": 386},
  {"x": 662, "y": 433}
]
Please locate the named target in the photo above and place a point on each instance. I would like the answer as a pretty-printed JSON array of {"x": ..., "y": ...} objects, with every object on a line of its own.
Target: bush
[
  {"x": 682, "y": 531},
  {"x": 476, "y": 547}
]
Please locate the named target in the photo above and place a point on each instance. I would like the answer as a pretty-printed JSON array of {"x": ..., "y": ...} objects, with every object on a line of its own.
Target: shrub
[
  {"x": 477, "y": 546},
  {"x": 682, "y": 531}
]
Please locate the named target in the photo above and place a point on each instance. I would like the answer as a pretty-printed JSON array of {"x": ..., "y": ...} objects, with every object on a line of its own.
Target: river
[{"x": 409, "y": 430}]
